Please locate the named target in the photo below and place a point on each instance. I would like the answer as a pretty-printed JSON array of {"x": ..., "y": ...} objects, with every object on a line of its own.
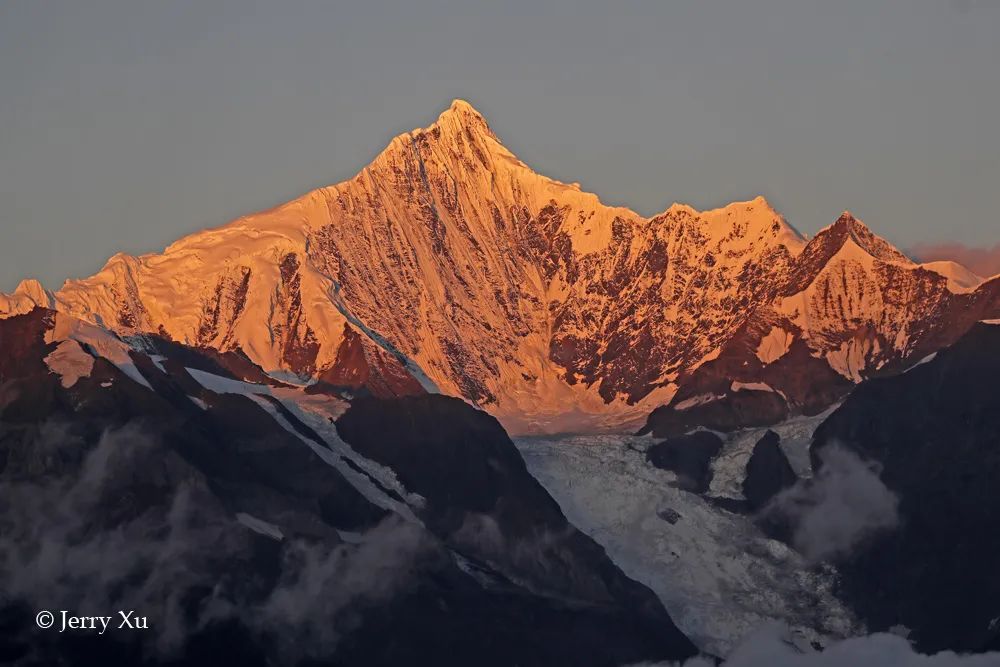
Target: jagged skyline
[
  {"x": 126, "y": 127},
  {"x": 530, "y": 297}
]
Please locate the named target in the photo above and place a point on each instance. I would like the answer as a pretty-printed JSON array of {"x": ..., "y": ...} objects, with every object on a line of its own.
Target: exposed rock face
[
  {"x": 718, "y": 412},
  {"x": 363, "y": 368},
  {"x": 935, "y": 430},
  {"x": 768, "y": 472},
  {"x": 225, "y": 506},
  {"x": 851, "y": 307},
  {"x": 690, "y": 456},
  {"x": 481, "y": 498},
  {"x": 534, "y": 300}
]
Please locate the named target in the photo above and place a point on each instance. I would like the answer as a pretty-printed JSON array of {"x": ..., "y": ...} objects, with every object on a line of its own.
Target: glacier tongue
[{"x": 718, "y": 576}]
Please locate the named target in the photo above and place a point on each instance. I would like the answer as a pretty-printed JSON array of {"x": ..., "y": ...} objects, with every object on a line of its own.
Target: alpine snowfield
[{"x": 452, "y": 261}]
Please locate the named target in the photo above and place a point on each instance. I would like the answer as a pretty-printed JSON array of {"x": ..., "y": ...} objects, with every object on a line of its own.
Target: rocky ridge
[{"x": 480, "y": 278}]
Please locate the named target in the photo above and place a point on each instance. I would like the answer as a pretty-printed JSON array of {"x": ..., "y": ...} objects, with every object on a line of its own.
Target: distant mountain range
[
  {"x": 449, "y": 265},
  {"x": 273, "y": 438}
]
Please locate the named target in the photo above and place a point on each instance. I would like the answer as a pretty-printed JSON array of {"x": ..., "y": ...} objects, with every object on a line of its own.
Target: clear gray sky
[{"x": 125, "y": 124}]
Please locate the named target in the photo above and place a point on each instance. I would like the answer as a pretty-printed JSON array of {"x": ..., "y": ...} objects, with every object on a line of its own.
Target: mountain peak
[
  {"x": 459, "y": 105},
  {"x": 849, "y": 220},
  {"x": 462, "y": 117},
  {"x": 28, "y": 294},
  {"x": 494, "y": 282},
  {"x": 848, "y": 227},
  {"x": 30, "y": 287},
  {"x": 32, "y": 290},
  {"x": 758, "y": 203}
]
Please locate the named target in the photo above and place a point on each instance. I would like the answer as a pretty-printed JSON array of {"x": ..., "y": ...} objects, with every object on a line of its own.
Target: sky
[{"x": 125, "y": 124}]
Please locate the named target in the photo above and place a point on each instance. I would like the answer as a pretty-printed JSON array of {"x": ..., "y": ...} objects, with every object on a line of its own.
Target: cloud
[
  {"x": 843, "y": 504},
  {"x": 80, "y": 534},
  {"x": 318, "y": 584},
  {"x": 128, "y": 524},
  {"x": 547, "y": 557},
  {"x": 983, "y": 261},
  {"x": 772, "y": 646}
]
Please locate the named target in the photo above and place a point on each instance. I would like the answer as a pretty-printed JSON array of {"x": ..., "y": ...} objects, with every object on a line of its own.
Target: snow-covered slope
[
  {"x": 29, "y": 294},
  {"x": 960, "y": 279},
  {"x": 867, "y": 304},
  {"x": 851, "y": 307},
  {"x": 716, "y": 573},
  {"x": 522, "y": 294}
]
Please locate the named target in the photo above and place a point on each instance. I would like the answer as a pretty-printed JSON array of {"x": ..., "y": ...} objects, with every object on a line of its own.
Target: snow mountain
[{"x": 448, "y": 265}]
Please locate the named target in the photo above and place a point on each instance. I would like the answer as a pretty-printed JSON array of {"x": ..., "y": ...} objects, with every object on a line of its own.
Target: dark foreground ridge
[
  {"x": 935, "y": 430},
  {"x": 213, "y": 515}
]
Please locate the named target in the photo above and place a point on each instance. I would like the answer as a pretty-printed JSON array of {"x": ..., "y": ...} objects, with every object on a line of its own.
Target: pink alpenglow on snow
[{"x": 448, "y": 265}]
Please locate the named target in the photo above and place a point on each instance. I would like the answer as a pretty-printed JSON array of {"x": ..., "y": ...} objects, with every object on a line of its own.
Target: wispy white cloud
[
  {"x": 127, "y": 524},
  {"x": 772, "y": 646},
  {"x": 843, "y": 504}
]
